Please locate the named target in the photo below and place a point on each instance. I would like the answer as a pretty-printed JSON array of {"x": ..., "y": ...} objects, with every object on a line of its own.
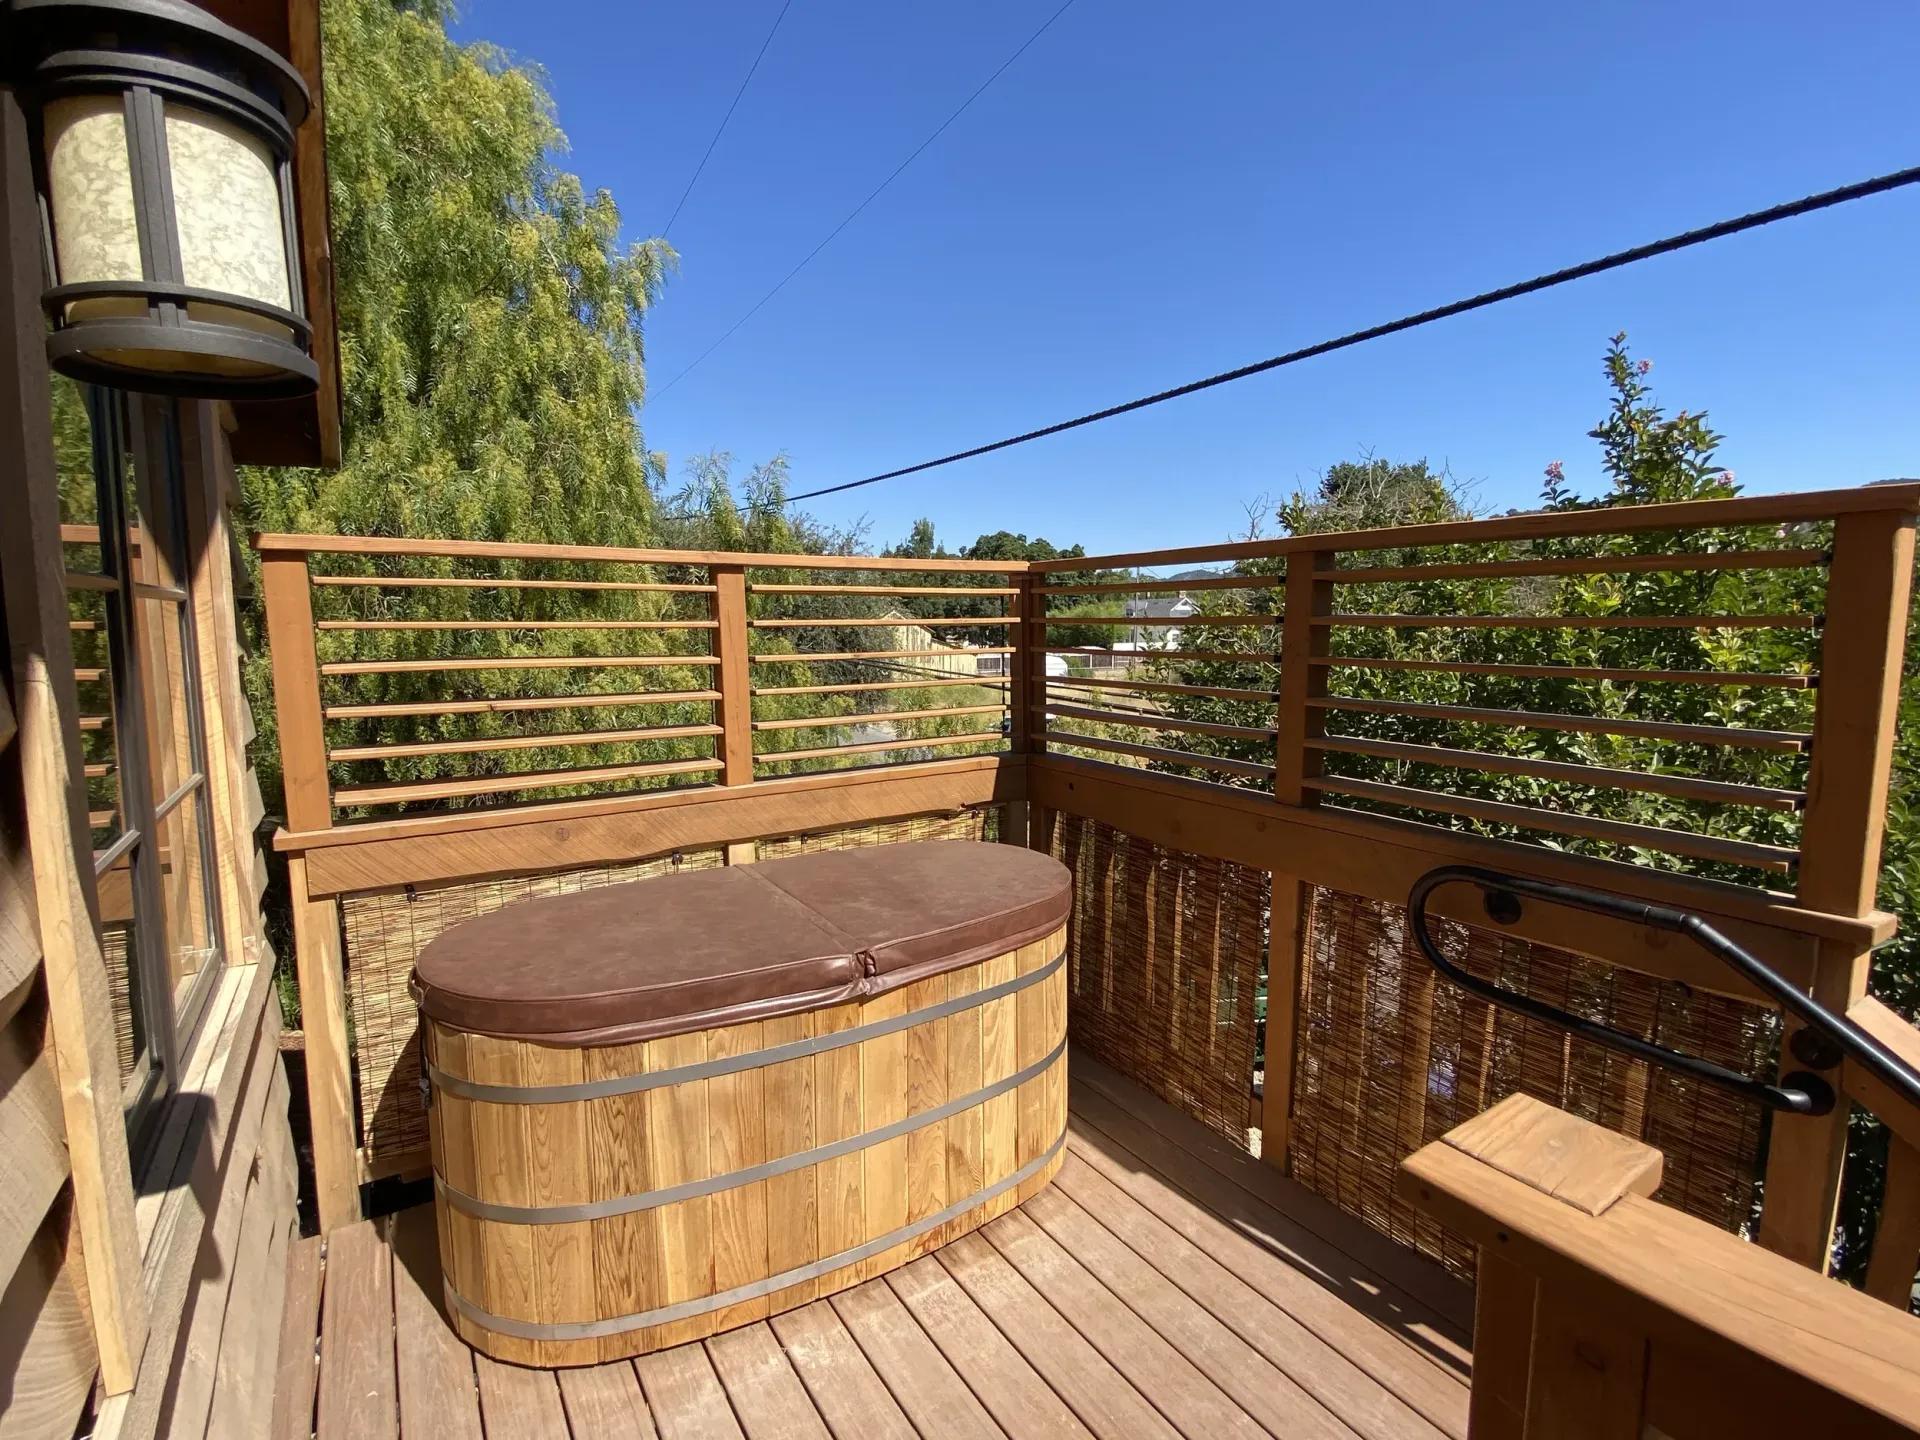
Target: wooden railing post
[
  {"x": 1308, "y": 593},
  {"x": 1286, "y": 939},
  {"x": 1027, "y": 665},
  {"x": 321, "y": 969},
  {"x": 1026, "y": 693},
  {"x": 296, "y": 690},
  {"x": 318, "y": 962},
  {"x": 1861, "y": 649},
  {"x": 736, "y": 680}
]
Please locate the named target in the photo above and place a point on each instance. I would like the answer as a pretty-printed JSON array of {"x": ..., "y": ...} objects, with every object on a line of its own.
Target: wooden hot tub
[{"x": 667, "y": 1108}]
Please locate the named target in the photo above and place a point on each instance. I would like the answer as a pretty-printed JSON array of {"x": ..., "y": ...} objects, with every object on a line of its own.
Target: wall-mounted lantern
[{"x": 163, "y": 144}]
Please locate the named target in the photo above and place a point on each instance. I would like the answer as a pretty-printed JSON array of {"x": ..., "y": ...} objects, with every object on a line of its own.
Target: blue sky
[{"x": 1157, "y": 191}]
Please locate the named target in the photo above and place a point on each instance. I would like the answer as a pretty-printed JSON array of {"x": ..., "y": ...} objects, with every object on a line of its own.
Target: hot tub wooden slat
[
  {"x": 965, "y": 1157},
  {"x": 541, "y": 1153},
  {"x": 883, "y": 1084},
  {"x": 556, "y": 1157},
  {"x": 452, "y": 1129},
  {"x": 678, "y": 1133},
  {"x": 625, "y": 1280},
  {"x": 737, "y": 1108},
  {"x": 840, "y": 1206},
  {"x": 927, "y": 1090},
  {"x": 793, "y": 1237},
  {"x": 504, "y": 1280},
  {"x": 1034, "y": 1040},
  {"x": 1000, "y": 1058}
]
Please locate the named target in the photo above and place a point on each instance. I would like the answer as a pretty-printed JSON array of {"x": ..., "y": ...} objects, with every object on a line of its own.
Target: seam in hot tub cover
[{"x": 668, "y": 955}]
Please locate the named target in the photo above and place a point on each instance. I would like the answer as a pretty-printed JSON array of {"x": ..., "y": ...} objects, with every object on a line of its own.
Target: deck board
[
  {"x": 603, "y": 1402},
  {"x": 686, "y": 1397},
  {"x": 1021, "y": 1403},
  {"x": 1167, "y": 1287},
  {"x": 767, "y": 1396},
  {"x": 296, "y": 1373},
  {"x": 935, "y": 1398},
  {"x": 1321, "y": 1368},
  {"x": 1241, "y": 1373},
  {"x": 438, "y": 1393},
  {"x": 1327, "y": 1279},
  {"x": 357, "y": 1390},
  {"x": 1422, "y": 1286},
  {"x": 1080, "y": 1375},
  {"x": 853, "y": 1401},
  {"x": 1172, "y": 1384},
  {"x": 520, "y": 1402}
]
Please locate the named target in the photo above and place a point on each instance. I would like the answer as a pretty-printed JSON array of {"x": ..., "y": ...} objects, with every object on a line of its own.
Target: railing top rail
[
  {"x": 613, "y": 554},
  {"x": 1902, "y": 496}
]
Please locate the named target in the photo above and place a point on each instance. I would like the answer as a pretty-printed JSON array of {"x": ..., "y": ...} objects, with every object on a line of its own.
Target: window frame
[{"x": 145, "y": 430}]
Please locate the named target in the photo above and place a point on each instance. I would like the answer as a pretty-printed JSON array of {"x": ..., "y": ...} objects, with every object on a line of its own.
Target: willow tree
[
  {"x": 490, "y": 319},
  {"x": 491, "y": 358}
]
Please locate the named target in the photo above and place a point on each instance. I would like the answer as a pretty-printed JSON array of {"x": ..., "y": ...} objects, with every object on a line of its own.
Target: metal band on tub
[
  {"x": 733, "y": 1179},
  {"x": 740, "y": 1294}
]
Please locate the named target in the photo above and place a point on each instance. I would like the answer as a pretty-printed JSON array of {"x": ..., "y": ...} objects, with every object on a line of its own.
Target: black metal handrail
[{"x": 1826, "y": 1041}]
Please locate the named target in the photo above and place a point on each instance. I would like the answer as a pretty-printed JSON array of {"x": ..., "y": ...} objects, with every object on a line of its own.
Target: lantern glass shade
[
  {"x": 165, "y": 169},
  {"x": 96, "y": 236},
  {"x": 226, "y": 208}
]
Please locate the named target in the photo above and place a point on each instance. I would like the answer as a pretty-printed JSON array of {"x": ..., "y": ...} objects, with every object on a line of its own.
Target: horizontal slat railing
[
  {"x": 1645, "y": 700},
  {"x": 1592, "y": 661},
  {"x": 437, "y": 685}
]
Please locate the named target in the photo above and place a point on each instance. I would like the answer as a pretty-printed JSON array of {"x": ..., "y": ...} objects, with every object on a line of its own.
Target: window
[{"x": 136, "y": 663}]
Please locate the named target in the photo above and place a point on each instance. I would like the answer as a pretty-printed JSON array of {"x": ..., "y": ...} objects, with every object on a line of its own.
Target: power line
[
  {"x": 1753, "y": 221},
  {"x": 808, "y": 260},
  {"x": 725, "y": 118}
]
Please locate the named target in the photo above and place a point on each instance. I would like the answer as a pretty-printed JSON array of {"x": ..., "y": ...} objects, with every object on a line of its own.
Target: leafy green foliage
[
  {"x": 1647, "y": 458},
  {"x": 491, "y": 365},
  {"x": 490, "y": 323}
]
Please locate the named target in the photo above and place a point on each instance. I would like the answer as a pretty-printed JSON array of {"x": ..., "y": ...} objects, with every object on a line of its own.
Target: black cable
[
  {"x": 725, "y": 118},
  {"x": 1752, "y": 221},
  {"x": 868, "y": 201}
]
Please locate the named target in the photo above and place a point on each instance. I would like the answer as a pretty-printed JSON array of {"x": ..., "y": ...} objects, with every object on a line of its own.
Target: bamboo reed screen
[
  {"x": 116, "y": 944},
  {"x": 1390, "y": 1056},
  {"x": 977, "y": 824},
  {"x": 385, "y": 930},
  {"x": 1164, "y": 952}
]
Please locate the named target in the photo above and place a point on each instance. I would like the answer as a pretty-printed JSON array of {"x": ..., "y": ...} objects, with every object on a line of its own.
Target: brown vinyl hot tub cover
[{"x": 723, "y": 947}]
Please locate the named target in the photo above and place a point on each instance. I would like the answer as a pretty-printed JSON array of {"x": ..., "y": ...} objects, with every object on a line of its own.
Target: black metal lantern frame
[{"x": 153, "y": 55}]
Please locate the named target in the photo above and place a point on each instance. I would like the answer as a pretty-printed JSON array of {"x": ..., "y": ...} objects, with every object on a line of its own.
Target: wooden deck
[{"x": 1166, "y": 1285}]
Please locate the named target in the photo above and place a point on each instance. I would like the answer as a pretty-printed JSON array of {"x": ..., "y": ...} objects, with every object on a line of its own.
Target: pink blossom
[
  {"x": 1727, "y": 476},
  {"x": 1643, "y": 367},
  {"x": 1556, "y": 471}
]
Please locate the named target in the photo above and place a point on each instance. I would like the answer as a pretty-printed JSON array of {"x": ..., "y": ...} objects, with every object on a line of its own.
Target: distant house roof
[{"x": 1160, "y": 607}]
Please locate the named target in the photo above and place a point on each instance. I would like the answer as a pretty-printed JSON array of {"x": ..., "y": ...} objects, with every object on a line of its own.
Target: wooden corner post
[
  {"x": 1026, "y": 693},
  {"x": 735, "y": 705},
  {"x": 296, "y": 689},
  {"x": 319, "y": 964},
  {"x": 1861, "y": 648},
  {"x": 1308, "y": 596},
  {"x": 322, "y": 971}
]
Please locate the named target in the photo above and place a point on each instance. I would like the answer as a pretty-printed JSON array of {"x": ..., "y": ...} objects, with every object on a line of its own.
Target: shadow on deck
[{"x": 1166, "y": 1285}]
